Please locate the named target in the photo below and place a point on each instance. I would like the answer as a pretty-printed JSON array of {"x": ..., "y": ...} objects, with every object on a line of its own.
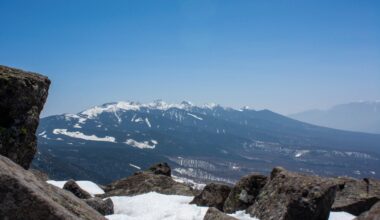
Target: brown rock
[
  {"x": 213, "y": 195},
  {"x": 73, "y": 187},
  {"x": 160, "y": 168},
  {"x": 104, "y": 207},
  {"x": 214, "y": 214},
  {"x": 40, "y": 175},
  {"x": 372, "y": 214}
]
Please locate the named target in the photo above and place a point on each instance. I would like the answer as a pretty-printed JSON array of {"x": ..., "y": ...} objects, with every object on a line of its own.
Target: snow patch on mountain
[
  {"x": 79, "y": 135},
  {"x": 142, "y": 145},
  {"x": 148, "y": 122},
  {"x": 194, "y": 116},
  {"x": 87, "y": 186},
  {"x": 135, "y": 166}
]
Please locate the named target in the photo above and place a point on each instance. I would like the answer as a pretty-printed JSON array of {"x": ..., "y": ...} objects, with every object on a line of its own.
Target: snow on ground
[
  {"x": 148, "y": 122},
  {"x": 142, "y": 145},
  {"x": 134, "y": 166},
  {"x": 341, "y": 216},
  {"x": 88, "y": 186},
  {"x": 79, "y": 135},
  {"x": 189, "y": 182},
  {"x": 194, "y": 116}
]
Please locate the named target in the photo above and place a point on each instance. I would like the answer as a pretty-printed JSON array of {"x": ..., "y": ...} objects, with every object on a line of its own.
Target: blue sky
[{"x": 286, "y": 56}]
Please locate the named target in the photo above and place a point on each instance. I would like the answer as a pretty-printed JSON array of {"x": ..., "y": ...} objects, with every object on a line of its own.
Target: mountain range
[{"x": 201, "y": 143}]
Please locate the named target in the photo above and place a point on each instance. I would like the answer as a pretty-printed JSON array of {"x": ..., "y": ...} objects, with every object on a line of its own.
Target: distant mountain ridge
[
  {"x": 208, "y": 142},
  {"x": 362, "y": 116}
]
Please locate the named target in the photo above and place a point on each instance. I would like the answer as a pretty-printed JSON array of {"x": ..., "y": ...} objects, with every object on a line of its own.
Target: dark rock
[
  {"x": 372, "y": 214},
  {"x": 160, "y": 168},
  {"x": 23, "y": 196},
  {"x": 213, "y": 195},
  {"x": 294, "y": 196},
  {"x": 244, "y": 193},
  {"x": 39, "y": 174},
  {"x": 356, "y": 196},
  {"x": 22, "y": 95},
  {"x": 104, "y": 207},
  {"x": 73, "y": 187},
  {"x": 214, "y": 214},
  {"x": 144, "y": 183}
]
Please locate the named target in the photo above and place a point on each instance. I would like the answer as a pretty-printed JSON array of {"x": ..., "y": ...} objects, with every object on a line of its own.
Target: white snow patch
[
  {"x": 87, "y": 186},
  {"x": 77, "y": 134},
  {"x": 139, "y": 120},
  {"x": 148, "y": 122},
  {"x": 134, "y": 166},
  {"x": 42, "y": 133},
  {"x": 142, "y": 145},
  {"x": 194, "y": 116},
  {"x": 77, "y": 126},
  {"x": 300, "y": 153},
  {"x": 341, "y": 216}
]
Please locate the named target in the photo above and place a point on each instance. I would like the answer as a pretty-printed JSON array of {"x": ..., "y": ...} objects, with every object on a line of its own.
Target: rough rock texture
[
  {"x": 22, "y": 95},
  {"x": 39, "y": 174},
  {"x": 214, "y": 214},
  {"x": 160, "y": 168},
  {"x": 23, "y": 196},
  {"x": 213, "y": 195},
  {"x": 356, "y": 196},
  {"x": 73, "y": 187},
  {"x": 244, "y": 193},
  {"x": 372, "y": 214},
  {"x": 293, "y": 196},
  {"x": 147, "y": 182},
  {"x": 104, "y": 207}
]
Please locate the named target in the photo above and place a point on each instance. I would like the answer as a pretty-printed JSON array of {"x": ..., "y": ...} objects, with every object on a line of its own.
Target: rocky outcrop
[
  {"x": 293, "y": 196},
  {"x": 74, "y": 188},
  {"x": 39, "y": 174},
  {"x": 23, "y": 196},
  {"x": 372, "y": 214},
  {"x": 244, "y": 193},
  {"x": 147, "y": 182},
  {"x": 356, "y": 196},
  {"x": 104, "y": 207},
  {"x": 22, "y": 95},
  {"x": 214, "y": 214},
  {"x": 213, "y": 195},
  {"x": 160, "y": 169}
]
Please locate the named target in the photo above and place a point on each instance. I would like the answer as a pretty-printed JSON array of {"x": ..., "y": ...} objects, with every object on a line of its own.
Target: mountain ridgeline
[{"x": 205, "y": 143}]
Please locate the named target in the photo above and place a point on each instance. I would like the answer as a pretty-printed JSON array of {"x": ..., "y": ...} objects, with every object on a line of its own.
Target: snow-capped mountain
[
  {"x": 207, "y": 142},
  {"x": 363, "y": 116}
]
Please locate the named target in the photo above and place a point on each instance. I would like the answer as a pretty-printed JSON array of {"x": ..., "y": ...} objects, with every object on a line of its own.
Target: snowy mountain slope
[{"x": 208, "y": 142}]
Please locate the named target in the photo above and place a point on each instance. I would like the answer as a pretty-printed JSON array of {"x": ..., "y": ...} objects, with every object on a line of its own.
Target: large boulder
[
  {"x": 147, "y": 182},
  {"x": 356, "y": 196},
  {"x": 244, "y": 193},
  {"x": 293, "y": 196},
  {"x": 104, "y": 207},
  {"x": 214, "y": 214},
  {"x": 73, "y": 187},
  {"x": 22, "y": 97},
  {"x": 23, "y": 196},
  {"x": 213, "y": 195},
  {"x": 372, "y": 214},
  {"x": 160, "y": 169}
]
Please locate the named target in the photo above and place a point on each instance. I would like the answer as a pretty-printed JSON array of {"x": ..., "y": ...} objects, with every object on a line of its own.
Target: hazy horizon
[{"x": 283, "y": 56}]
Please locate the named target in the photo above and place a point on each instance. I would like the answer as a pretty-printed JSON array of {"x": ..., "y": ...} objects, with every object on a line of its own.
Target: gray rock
[
  {"x": 73, "y": 187},
  {"x": 214, "y": 214},
  {"x": 23, "y": 196},
  {"x": 160, "y": 168},
  {"x": 213, "y": 195},
  {"x": 23, "y": 95},
  {"x": 39, "y": 174},
  {"x": 372, "y": 214},
  {"x": 244, "y": 193},
  {"x": 147, "y": 182},
  {"x": 356, "y": 196},
  {"x": 293, "y": 196},
  {"x": 104, "y": 207}
]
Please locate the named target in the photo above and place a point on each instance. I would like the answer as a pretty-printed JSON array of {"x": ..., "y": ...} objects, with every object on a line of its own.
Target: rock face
[
  {"x": 292, "y": 196},
  {"x": 213, "y": 195},
  {"x": 40, "y": 175},
  {"x": 73, "y": 187},
  {"x": 244, "y": 193},
  {"x": 144, "y": 183},
  {"x": 23, "y": 196},
  {"x": 372, "y": 214},
  {"x": 214, "y": 214},
  {"x": 104, "y": 207},
  {"x": 160, "y": 168},
  {"x": 22, "y": 95},
  {"x": 356, "y": 196}
]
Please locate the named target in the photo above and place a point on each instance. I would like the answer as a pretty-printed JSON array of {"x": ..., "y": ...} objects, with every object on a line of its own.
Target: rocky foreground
[{"x": 24, "y": 194}]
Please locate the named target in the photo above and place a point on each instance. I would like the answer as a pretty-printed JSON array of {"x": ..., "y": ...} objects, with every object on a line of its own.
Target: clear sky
[{"x": 286, "y": 56}]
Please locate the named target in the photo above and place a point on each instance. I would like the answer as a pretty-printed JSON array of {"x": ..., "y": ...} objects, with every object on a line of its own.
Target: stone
[
  {"x": 372, "y": 214},
  {"x": 356, "y": 196},
  {"x": 244, "y": 193},
  {"x": 293, "y": 196},
  {"x": 104, "y": 207},
  {"x": 213, "y": 195},
  {"x": 160, "y": 169},
  {"x": 39, "y": 174},
  {"x": 147, "y": 182},
  {"x": 73, "y": 187},
  {"x": 23, "y": 196},
  {"x": 214, "y": 214},
  {"x": 22, "y": 97}
]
